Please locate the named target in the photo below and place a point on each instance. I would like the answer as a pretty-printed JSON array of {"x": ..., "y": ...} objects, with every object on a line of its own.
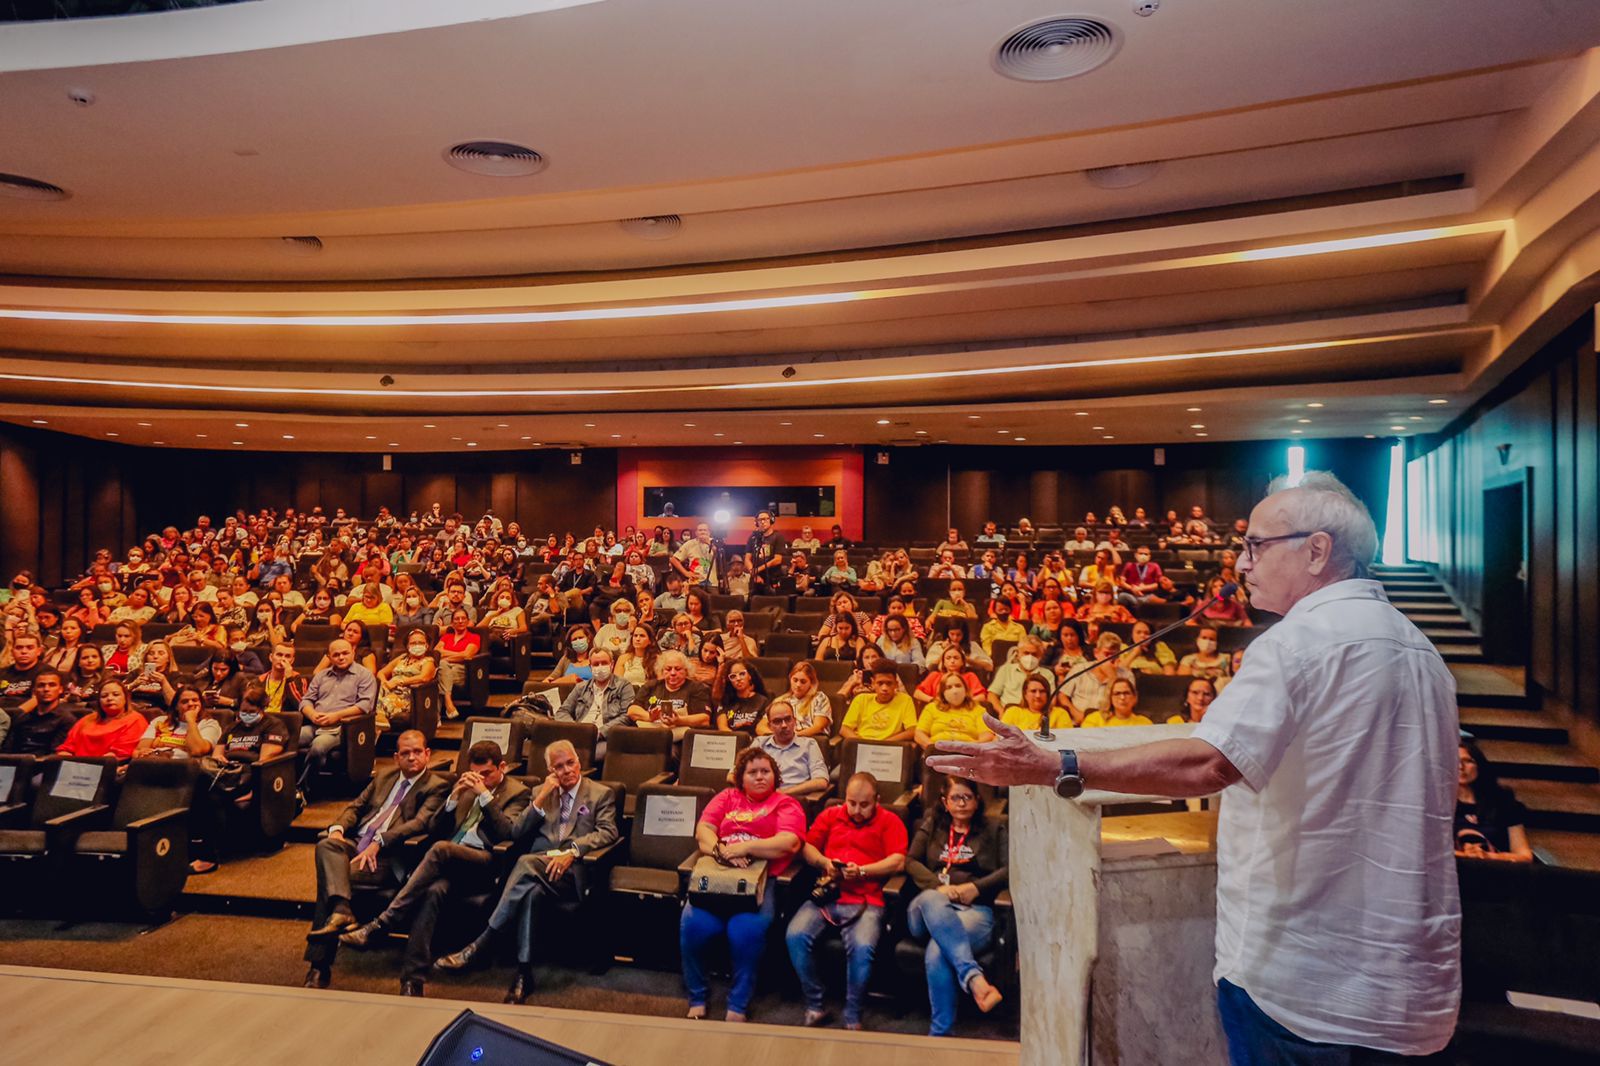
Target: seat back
[
  {"x": 190, "y": 658},
  {"x": 584, "y": 737},
  {"x": 71, "y": 785},
  {"x": 831, "y": 673},
  {"x": 314, "y": 635},
  {"x": 708, "y": 757},
  {"x": 152, "y": 786},
  {"x": 770, "y": 603},
  {"x": 634, "y": 756},
  {"x": 894, "y": 765},
  {"x": 292, "y": 721},
  {"x": 663, "y": 825},
  {"x": 16, "y": 778},
  {"x": 505, "y": 732},
  {"x": 789, "y": 645}
]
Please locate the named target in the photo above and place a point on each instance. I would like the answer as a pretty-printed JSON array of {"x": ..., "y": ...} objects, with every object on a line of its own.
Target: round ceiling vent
[
  {"x": 653, "y": 227},
  {"x": 1056, "y": 48},
  {"x": 1122, "y": 176},
  {"x": 496, "y": 159},
  {"x": 21, "y": 188},
  {"x": 301, "y": 246}
]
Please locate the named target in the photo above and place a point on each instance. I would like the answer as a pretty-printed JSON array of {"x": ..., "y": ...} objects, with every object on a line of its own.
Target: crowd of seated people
[{"x": 193, "y": 642}]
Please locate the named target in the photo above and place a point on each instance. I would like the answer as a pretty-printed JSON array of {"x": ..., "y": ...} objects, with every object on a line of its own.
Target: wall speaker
[{"x": 472, "y": 1040}]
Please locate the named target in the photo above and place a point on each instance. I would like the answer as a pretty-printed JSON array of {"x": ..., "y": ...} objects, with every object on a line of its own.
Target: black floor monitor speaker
[{"x": 471, "y": 1040}]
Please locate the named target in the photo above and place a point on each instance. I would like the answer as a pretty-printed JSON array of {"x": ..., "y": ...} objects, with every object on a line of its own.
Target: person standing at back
[{"x": 1338, "y": 917}]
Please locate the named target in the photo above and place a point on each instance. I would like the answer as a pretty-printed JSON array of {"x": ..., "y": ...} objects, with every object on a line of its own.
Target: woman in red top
[
  {"x": 951, "y": 661},
  {"x": 752, "y": 820},
  {"x": 457, "y": 645},
  {"x": 113, "y": 729}
]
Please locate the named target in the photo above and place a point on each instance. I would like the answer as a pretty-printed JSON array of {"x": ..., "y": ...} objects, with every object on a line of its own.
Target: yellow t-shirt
[
  {"x": 381, "y": 615},
  {"x": 1100, "y": 718},
  {"x": 879, "y": 721},
  {"x": 952, "y": 723},
  {"x": 1023, "y": 718}
]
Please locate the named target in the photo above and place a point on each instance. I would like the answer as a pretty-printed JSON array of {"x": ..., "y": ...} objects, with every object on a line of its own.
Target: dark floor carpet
[{"x": 267, "y": 951}]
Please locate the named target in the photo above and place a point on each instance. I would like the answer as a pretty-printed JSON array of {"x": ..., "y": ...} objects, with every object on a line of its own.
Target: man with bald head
[
  {"x": 1338, "y": 919},
  {"x": 859, "y": 845},
  {"x": 363, "y": 843},
  {"x": 343, "y": 691}
]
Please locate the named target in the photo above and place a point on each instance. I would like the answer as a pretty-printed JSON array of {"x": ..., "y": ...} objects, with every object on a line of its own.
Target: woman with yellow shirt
[
  {"x": 1124, "y": 698},
  {"x": 954, "y": 715},
  {"x": 1035, "y": 698}
]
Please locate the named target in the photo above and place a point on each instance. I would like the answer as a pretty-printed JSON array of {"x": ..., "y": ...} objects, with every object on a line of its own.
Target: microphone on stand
[{"x": 1227, "y": 592}]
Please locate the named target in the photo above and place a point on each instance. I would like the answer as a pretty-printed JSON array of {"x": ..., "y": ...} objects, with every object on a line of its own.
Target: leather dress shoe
[
  {"x": 521, "y": 988},
  {"x": 337, "y": 923},
  {"x": 412, "y": 987},
  {"x": 458, "y": 960},
  {"x": 361, "y": 939},
  {"x": 318, "y": 977}
]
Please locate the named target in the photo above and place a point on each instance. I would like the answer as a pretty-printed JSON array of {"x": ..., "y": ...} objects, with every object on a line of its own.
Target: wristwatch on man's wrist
[{"x": 1069, "y": 784}]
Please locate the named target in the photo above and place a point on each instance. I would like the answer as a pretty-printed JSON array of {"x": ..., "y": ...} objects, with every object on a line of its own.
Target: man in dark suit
[
  {"x": 483, "y": 808},
  {"x": 570, "y": 817},
  {"x": 364, "y": 844}
]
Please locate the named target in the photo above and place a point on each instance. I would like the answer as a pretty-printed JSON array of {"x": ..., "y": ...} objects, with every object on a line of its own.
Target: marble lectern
[{"x": 1146, "y": 912}]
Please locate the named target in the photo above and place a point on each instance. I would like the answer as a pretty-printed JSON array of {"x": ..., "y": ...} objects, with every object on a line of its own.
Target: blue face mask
[{"x": 580, "y": 644}]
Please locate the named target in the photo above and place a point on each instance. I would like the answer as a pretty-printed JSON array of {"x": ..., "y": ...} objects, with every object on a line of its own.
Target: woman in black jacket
[{"x": 958, "y": 859}]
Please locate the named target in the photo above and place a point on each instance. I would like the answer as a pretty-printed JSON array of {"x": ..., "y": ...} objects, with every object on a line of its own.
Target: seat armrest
[
  {"x": 895, "y": 887},
  {"x": 606, "y": 856},
  {"x": 662, "y": 778},
  {"x": 78, "y": 820},
  {"x": 11, "y": 811},
  {"x": 1003, "y": 900},
  {"x": 686, "y": 867},
  {"x": 157, "y": 819}
]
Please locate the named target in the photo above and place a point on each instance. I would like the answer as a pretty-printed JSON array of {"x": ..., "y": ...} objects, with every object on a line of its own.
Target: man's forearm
[{"x": 1181, "y": 769}]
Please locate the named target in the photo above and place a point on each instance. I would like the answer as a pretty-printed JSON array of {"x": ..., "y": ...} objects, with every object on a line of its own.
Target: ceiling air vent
[
  {"x": 1056, "y": 48},
  {"x": 1122, "y": 175},
  {"x": 301, "y": 246},
  {"x": 21, "y": 188},
  {"x": 653, "y": 227},
  {"x": 496, "y": 159}
]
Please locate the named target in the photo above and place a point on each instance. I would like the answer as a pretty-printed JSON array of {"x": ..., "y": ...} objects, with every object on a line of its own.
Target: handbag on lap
[{"x": 715, "y": 886}]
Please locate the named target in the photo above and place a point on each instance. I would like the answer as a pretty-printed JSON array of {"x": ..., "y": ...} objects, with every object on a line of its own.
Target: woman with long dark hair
[{"x": 1489, "y": 819}]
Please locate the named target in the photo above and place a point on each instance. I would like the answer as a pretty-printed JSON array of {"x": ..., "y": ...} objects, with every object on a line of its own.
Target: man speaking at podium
[{"x": 1335, "y": 747}]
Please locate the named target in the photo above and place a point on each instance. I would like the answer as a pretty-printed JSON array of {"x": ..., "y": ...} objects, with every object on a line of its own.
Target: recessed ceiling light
[
  {"x": 785, "y": 423},
  {"x": 200, "y": 436},
  {"x": 816, "y": 434},
  {"x": 472, "y": 444},
  {"x": 618, "y": 436},
  {"x": 883, "y": 421},
  {"x": 373, "y": 436},
  {"x": 1304, "y": 421},
  {"x": 41, "y": 421},
  {"x": 1370, "y": 436},
  {"x": 589, "y": 425},
  {"x": 1097, "y": 427},
  {"x": 974, "y": 417},
  {"x": 110, "y": 434},
  {"x": 689, "y": 425},
  {"x": 429, "y": 425},
  {"x": 20, "y": 188},
  {"x": 495, "y": 159},
  {"x": 288, "y": 436},
  {"x": 1123, "y": 176},
  {"x": 527, "y": 438},
  {"x": 301, "y": 247},
  {"x": 738, "y": 442},
  {"x": 1192, "y": 410},
  {"x": 158, "y": 442},
  {"x": 238, "y": 442},
  {"x": 1438, "y": 403},
  {"x": 1108, "y": 437},
  {"x": 922, "y": 433},
  {"x": 146, "y": 425},
  {"x": 1414, "y": 418},
  {"x": 1314, "y": 405},
  {"x": 1297, "y": 431},
  {"x": 502, "y": 425},
  {"x": 1197, "y": 425},
  {"x": 1019, "y": 439},
  {"x": 1397, "y": 427},
  {"x": 452, "y": 438},
  {"x": 1081, "y": 414},
  {"x": 1002, "y": 431},
  {"x": 241, "y": 425},
  {"x": 722, "y": 434},
  {"x": 1202, "y": 434}
]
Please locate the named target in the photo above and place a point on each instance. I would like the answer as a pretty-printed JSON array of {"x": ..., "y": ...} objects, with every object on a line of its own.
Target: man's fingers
[
  {"x": 958, "y": 747},
  {"x": 999, "y": 728},
  {"x": 955, "y": 765}
]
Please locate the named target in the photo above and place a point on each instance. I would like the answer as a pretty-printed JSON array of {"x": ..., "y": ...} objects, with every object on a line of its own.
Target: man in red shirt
[{"x": 859, "y": 845}]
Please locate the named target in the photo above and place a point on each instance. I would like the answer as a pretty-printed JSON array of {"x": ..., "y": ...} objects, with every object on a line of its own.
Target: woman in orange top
[{"x": 113, "y": 729}]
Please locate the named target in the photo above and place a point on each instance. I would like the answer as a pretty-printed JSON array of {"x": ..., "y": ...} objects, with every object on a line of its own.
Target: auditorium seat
[
  {"x": 72, "y": 790},
  {"x": 708, "y": 758},
  {"x": 791, "y": 645},
  {"x": 583, "y": 736},
  {"x": 506, "y": 732},
  {"x": 999, "y": 959},
  {"x": 142, "y": 844},
  {"x": 16, "y": 786},
  {"x": 636, "y": 758},
  {"x": 643, "y": 892},
  {"x": 771, "y": 604},
  {"x": 896, "y": 790}
]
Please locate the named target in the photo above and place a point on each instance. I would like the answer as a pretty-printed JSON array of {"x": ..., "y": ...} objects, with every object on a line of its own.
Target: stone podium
[{"x": 1124, "y": 924}]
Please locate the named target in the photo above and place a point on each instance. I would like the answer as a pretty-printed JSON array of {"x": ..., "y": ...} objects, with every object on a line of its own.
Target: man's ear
[{"x": 1321, "y": 547}]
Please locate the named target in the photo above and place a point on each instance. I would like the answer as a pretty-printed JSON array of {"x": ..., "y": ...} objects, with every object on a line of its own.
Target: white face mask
[
  {"x": 417, "y": 649},
  {"x": 1205, "y": 645},
  {"x": 624, "y": 621},
  {"x": 602, "y": 674},
  {"x": 1029, "y": 662},
  {"x": 505, "y": 601}
]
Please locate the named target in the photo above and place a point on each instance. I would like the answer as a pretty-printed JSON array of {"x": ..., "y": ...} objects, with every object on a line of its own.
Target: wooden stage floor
[{"x": 74, "y": 1018}]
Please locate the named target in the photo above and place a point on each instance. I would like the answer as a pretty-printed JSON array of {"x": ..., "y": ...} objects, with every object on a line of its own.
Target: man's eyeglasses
[{"x": 1253, "y": 545}]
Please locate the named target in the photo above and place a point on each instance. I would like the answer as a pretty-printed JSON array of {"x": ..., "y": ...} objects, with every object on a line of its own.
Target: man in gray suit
[
  {"x": 364, "y": 844},
  {"x": 482, "y": 810},
  {"x": 570, "y": 817}
]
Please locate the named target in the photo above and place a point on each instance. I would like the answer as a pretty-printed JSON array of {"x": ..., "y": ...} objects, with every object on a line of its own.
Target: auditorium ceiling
[{"x": 826, "y": 223}]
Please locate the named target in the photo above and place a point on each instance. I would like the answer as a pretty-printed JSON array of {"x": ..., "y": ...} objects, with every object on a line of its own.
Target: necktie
[
  {"x": 375, "y": 826},
  {"x": 566, "y": 813},
  {"x": 474, "y": 816}
]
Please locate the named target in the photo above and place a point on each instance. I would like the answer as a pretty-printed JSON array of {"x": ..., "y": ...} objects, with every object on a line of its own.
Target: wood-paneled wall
[{"x": 1547, "y": 415}]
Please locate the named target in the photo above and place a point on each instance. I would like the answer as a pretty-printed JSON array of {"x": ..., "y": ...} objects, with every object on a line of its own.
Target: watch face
[{"x": 1069, "y": 787}]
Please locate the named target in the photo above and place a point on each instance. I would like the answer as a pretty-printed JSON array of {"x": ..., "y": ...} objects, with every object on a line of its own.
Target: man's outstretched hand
[{"x": 1009, "y": 759}]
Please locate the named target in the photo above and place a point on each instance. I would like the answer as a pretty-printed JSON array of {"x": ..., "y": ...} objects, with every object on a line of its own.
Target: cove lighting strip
[
  {"x": 594, "y": 314},
  {"x": 741, "y": 386}
]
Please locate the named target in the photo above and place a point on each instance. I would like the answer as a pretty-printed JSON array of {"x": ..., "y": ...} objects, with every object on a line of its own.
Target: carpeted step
[
  {"x": 1568, "y": 806},
  {"x": 1545, "y": 762},
  {"x": 1532, "y": 726}
]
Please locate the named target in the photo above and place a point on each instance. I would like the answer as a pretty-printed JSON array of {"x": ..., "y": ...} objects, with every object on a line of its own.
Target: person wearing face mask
[
  {"x": 954, "y": 715},
  {"x": 616, "y": 635},
  {"x": 1141, "y": 579},
  {"x": 412, "y": 610},
  {"x": 574, "y": 662},
  {"x": 1103, "y": 607},
  {"x": 955, "y": 606},
  {"x": 1002, "y": 625},
  {"x": 859, "y": 845},
  {"x": 505, "y": 618},
  {"x": 1206, "y": 661},
  {"x": 400, "y": 676},
  {"x": 1025, "y": 661},
  {"x": 602, "y": 700}
]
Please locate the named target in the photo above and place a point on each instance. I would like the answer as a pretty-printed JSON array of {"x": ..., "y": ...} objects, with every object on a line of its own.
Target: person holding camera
[{"x": 857, "y": 845}]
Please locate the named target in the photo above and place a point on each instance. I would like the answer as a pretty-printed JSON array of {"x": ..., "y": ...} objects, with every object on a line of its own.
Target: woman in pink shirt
[{"x": 752, "y": 820}]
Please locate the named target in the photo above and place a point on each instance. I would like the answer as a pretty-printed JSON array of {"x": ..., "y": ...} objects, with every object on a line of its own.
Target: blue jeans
[
  {"x": 860, "y": 945},
  {"x": 1254, "y": 1039},
  {"x": 747, "y": 941},
  {"x": 955, "y": 933},
  {"x": 319, "y": 749}
]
